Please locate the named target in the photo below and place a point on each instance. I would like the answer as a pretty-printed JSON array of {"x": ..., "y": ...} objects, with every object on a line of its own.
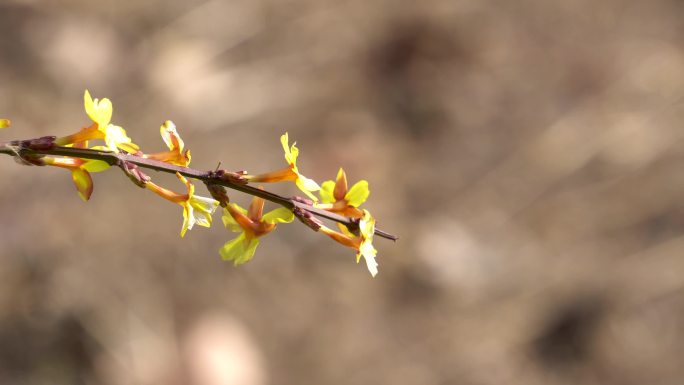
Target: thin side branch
[{"x": 33, "y": 148}]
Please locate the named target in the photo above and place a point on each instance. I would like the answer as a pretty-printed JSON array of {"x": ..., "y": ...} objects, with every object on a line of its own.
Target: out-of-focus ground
[{"x": 528, "y": 153}]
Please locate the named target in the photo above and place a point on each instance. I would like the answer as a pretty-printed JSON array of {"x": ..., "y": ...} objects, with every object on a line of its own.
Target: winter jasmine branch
[
  {"x": 334, "y": 200},
  {"x": 35, "y": 148}
]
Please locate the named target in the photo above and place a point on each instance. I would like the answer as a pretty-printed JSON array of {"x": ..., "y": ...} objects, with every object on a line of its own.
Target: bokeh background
[{"x": 528, "y": 153}]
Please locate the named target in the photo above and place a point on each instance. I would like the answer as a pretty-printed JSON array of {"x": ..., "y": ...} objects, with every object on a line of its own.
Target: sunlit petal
[
  {"x": 203, "y": 209},
  {"x": 327, "y": 191},
  {"x": 369, "y": 254},
  {"x": 92, "y": 165},
  {"x": 239, "y": 250},
  {"x": 307, "y": 186},
  {"x": 188, "y": 219},
  {"x": 357, "y": 194},
  {"x": 170, "y": 136},
  {"x": 279, "y": 215},
  {"x": 116, "y": 138},
  {"x": 367, "y": 225},
  {"x": 291, "y": 153},
  {"x": 83, "y": 182},
  {"x": 100, "y": 111},
  {"x": 366, "y": 249}
]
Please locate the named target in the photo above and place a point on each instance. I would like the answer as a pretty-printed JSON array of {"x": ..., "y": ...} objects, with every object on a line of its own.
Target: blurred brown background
[{"x": 528, "y": 153}]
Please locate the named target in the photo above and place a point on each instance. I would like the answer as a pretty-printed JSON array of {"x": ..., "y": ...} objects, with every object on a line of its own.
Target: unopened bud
[
  {"x": 40, "y": 144},
  {"x": 237, "y": 177},
  {"x": 299, "y": 199},
  {"x": 307, "y": 218},
  {"x": 219, "y": 193},
  {"x": 134, "y": 173}
]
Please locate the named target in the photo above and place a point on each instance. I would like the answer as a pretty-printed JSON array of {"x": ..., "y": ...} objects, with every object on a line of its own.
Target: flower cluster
[
  {"x": 251, "y": 224},
  {"x": 335, "y": 197}
]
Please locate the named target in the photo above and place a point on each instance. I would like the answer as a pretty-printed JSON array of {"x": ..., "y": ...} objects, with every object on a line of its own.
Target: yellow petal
[
  {"x": 170, "y": 136},
  {"x": 197, "y": 211},
  {"x": 366, "y": 249},
  {"x": 116, "y": 137},
  {"x": 327, "y": 191},
  {"x": 307, "y": 185},
  {"x": 291, "y": 153},
  {"x": 92, "y": 165},
  {"x": 367, "y": 225},
  {"x": 369, "y": 254},
  {"x": 4, "y": 123},
  {"x": 249, "y": 251},
  {"x": 203, "y": 208},
  {"x": 100, "y": 111},
  {"x": 188, "y": 219},
  {"x": 294, "y": 154},
  {"x": 357, "y": 194},
  {"x": 279, "y": 215},
  {"x": 239, "y": 250},
  {"x": 83, "y": 182},
  {"x": 284, "y": 141},
  {"x": 89, "y": 105}
]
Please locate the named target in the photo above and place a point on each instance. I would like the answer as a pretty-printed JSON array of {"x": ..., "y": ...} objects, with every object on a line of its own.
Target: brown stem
[{"x": 208, "y": 177}]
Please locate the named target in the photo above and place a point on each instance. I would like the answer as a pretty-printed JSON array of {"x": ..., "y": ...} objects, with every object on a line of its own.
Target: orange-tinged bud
[{"x": 340, "y": 185}]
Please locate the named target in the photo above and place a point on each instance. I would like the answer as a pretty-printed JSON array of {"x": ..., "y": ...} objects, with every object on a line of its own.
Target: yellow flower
[
  {"x": 173, "y": 141},
  {"x": 290, "y": 173},
  {"x": 4, "y": 123},
  {"x": 251, "y": 225},
  {"x": 363, "y": 243},
  {"x": 196, "y": 209},
  {"x": 80, "y": 172},
  {"x": 115, "y": 137},
  {"x": 338, "y": 199},
  {"x": 100, "y": 111}
]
